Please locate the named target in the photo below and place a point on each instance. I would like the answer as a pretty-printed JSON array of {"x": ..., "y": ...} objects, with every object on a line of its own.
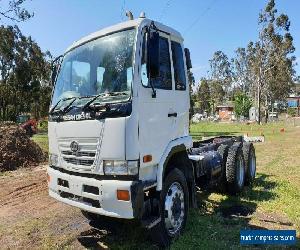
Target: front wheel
[{"x": 173, "y": 209}]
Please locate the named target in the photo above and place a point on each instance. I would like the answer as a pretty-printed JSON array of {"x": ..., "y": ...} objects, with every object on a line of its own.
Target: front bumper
[{"x": 96, "y": 196}]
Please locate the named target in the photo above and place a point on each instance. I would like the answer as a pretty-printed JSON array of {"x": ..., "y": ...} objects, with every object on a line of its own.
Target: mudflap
[
  {"x": 193, "y": 191},
  {"x": 137, "y": 199}
]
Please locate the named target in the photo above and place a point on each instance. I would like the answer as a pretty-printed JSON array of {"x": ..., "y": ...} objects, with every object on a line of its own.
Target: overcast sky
[{"x": 207, "y": 26}]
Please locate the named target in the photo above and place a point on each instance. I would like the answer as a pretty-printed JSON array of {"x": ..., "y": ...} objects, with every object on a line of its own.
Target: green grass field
[
  {"x": 42, "y": 141},
  {"x": 272, "y": 203}
]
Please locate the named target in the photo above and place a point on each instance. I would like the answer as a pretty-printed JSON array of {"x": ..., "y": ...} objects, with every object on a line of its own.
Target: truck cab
[{"x": 118, "y": 128}]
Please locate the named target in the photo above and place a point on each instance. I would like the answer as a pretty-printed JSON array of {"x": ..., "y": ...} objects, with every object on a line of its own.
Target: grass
[
  {"x": 274, "y": 199},
  {"x": 42, "y": 141}
]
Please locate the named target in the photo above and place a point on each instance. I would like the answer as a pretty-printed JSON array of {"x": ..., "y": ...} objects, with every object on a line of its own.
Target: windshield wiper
[
  {"x": 65, "y": 108},
  {"x": 85, "y": 106}
]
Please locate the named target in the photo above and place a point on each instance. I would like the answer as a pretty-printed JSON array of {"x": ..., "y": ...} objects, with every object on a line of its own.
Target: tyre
[
  {"x": 235, "y": 168},
  {"x": 174, "y": 202},
  {"x": 250, "y": 162},
  {"x": 223, "y": 151}
]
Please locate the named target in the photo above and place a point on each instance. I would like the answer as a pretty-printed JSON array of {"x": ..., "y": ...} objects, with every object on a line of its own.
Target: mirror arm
[
  {"x": 56, "y": 59},
  {"x": 152, "y": 26},
  {"x": 55, "y": 69}
]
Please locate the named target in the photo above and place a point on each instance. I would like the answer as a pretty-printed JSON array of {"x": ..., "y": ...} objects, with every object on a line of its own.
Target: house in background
[
  {"x": 225, "y": 112},
  {"x": 296, "y": 89},
  {"x": 293, "y": 102}
]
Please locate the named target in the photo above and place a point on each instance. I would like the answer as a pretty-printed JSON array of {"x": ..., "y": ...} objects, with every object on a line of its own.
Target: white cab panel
[{"x": 113, "y": 143}]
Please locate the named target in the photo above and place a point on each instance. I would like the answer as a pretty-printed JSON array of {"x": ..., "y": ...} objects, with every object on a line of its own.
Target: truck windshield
[{"x": 100, "y": 66}]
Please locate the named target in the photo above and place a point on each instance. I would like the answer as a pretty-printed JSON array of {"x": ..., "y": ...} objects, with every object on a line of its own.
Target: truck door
[
  {"x": 181, "y": 90},
  {"x": 157, "y": 116}
]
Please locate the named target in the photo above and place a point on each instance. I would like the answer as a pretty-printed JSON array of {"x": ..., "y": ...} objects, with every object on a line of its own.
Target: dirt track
[{"x": 29, "y": 218}]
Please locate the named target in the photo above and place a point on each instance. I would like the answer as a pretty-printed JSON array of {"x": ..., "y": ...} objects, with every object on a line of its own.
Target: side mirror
[
  {"x": 54, "y": 73},
  {"x": 188, "y": 58},
  {"x": 153, "y": 54}
]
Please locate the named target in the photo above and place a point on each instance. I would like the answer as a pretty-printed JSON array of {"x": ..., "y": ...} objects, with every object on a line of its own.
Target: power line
[
  {"x": 164, "y": 9},
  {"x": 199, "y": 17}
]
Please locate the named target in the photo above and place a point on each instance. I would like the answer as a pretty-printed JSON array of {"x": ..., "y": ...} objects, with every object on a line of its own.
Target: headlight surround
[
  {"x": 53, "y": 159},
  {"x": 112, "y": 167}
]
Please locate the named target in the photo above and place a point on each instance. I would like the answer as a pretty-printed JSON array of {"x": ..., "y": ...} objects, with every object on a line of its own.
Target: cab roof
[{"x": 139, "y": 22}]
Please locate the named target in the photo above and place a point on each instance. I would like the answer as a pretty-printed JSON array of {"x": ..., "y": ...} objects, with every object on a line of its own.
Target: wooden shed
[{"x": 225, "y": 112}]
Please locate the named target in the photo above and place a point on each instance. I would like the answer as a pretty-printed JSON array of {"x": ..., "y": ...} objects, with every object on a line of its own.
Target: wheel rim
[
  {"x": 240, "y": 171},
  {"x": 174, "y": 208},
  {"x": 252, "y": 166}
]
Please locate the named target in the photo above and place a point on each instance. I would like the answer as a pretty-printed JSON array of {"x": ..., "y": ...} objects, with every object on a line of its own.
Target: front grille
[
  {"x": 84, "y": 158},
  {"x": 76, "y": 161},
  {"x": 88, "y": 154}
]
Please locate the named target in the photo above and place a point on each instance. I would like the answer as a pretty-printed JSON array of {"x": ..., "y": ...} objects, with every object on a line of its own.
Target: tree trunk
[
  {"x": 266, "y": 110},
  {"x": 259, "y": 97}
]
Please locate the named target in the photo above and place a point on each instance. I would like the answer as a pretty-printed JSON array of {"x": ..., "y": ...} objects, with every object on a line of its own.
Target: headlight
[
  {"x": 53, "y": 159},
  {"x": 120, "y": 167}
]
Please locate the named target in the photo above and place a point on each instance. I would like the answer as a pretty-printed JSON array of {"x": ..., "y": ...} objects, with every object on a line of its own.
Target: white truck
[{"x": 119, "y": 140}]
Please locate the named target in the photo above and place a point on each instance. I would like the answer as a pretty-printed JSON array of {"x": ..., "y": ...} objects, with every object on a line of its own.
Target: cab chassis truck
[{"x": 119, "y": 138}]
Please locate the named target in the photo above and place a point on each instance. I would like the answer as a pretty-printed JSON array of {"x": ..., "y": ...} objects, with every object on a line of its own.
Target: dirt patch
[
  {"x": 274, "y": 218},
  {"x": 17, "y": 149},
  {"x": 30, "y": 219}
]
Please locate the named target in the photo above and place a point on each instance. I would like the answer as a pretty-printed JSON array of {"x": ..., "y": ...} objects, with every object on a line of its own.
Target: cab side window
[
  {"x": 178, "y": 64},
  {"x": 164, "y": 81}
]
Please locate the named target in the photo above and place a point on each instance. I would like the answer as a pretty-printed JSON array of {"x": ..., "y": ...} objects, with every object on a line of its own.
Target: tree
[
  {"x": 273, "y": 58},
  {"x": 221, "y": 71},
  {"x": 14, "y": 11},
  {"x": 242, "y": 74},
  {"x": 217, "y": 94},
  {"x": 24, "y": 74},
  {"x": 242, "y": 104},
  {"x": 203, "y": 95}
]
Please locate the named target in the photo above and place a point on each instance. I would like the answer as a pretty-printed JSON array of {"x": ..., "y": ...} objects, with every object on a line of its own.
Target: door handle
[{"x": 172, "y": 114}]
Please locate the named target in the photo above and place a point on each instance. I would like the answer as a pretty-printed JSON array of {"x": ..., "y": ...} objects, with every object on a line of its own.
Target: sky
[{"x": 206, "y": 25}]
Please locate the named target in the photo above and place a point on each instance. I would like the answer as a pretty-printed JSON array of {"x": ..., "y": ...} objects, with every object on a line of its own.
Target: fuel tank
[{"x": 207, "y": 164}]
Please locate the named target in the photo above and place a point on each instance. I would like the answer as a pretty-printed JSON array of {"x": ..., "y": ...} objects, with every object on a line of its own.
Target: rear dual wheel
[
  {"x": 250, "y": 162},
  {"x": 235, "y": 168},
  {"x": 222, "y": 184}
]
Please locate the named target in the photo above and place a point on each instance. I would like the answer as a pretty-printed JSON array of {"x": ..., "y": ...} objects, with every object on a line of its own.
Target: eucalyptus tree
[
  {"x": 221, "y": 72},
  {"x": 241, "y": 70},
  {"x": 273, "y": 58},
  {"x": 203, "y": 95},
  {"x": 14, "y": 11},
  {"x": 24, "y": 74}
]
